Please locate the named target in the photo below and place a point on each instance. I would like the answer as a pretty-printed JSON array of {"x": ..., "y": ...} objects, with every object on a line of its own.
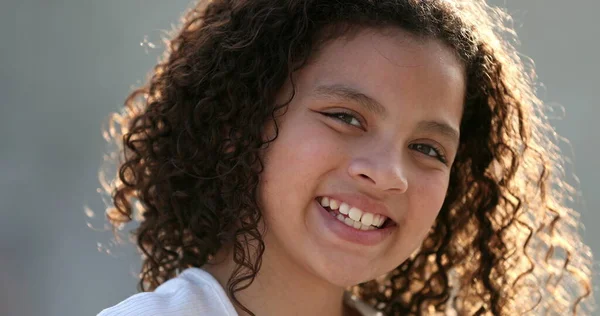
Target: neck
[{"x": 281, "y": 287}]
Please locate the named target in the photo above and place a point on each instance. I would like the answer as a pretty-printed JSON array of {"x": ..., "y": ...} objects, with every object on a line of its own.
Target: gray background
[{"x": 66, "y": 64}]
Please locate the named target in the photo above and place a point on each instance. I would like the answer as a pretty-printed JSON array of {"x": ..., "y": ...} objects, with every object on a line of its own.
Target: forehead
[{"x": 392, "y": 52}]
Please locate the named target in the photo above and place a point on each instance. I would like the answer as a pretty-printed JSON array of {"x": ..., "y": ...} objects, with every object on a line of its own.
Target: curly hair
[{"x": 190, "y": 140}]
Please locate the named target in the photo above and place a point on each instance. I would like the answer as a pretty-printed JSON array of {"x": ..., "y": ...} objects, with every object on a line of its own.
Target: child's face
[{"x": 396, "y": 101}]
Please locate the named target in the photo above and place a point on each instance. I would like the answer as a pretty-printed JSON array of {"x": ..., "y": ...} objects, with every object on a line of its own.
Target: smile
[{"x": 353, "y": 216}]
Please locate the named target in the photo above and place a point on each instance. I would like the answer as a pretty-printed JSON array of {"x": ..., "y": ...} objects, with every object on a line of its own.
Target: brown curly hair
[{"x": 504, "y": 242}]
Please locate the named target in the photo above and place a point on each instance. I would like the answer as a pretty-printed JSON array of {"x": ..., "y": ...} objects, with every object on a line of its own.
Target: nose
[{"x": 380, "y": 169}]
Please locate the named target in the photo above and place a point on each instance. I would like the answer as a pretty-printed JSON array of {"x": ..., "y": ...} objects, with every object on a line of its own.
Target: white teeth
[
  {"x": 349, "y": 222},
  {"x": 333, "y": 204},
  {"x": 381, "y": 220},
  {"x": 355, "y": 217},
  {"x": 355, "y": 214},
  {"x": 367, "y": 219},
  {"x": 352, "y": 223},
  {"x": 376, "y": 219},
  {"x": 344, "y": 208}
]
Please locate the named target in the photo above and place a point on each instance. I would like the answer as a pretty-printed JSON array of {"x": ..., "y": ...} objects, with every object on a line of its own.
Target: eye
[
  {"x": 347, "y": 118},
  {"x": 430, "y": 150}
]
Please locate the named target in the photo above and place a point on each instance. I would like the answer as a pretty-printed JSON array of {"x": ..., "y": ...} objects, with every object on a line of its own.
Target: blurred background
[{"x": 65, "y": 65}]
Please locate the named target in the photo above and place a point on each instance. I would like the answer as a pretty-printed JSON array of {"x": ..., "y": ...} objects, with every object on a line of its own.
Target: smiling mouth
[
  {"x": 357, "y": 224},
  {"x": 354, "y": 217}
]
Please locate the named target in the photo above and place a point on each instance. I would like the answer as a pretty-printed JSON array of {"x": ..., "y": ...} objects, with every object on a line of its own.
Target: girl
[{"x": 315, "y": 157}]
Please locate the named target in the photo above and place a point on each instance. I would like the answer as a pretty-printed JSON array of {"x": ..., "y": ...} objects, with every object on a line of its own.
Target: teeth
[
  {"x": 334, "y": 204},
  {"x": 349, "y": 222},
  {"x": 367, "y": 219},
  {"x": 376, "y": 219},
  {"x": 352, "y": 223},
  {"x": 355, "y": 214},
  {"x": 344, "y": 208},
  {"x": 355, "y": 217}
]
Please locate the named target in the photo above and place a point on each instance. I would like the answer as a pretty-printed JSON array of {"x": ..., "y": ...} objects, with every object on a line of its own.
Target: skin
[{"x": 386, "y": 158}]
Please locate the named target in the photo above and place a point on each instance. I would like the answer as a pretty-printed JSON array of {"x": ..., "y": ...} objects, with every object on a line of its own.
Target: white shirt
[{"x": 193, "y": 292}]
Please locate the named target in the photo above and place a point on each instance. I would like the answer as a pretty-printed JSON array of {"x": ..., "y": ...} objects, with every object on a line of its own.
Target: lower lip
[{"x": 351, "y": 234}]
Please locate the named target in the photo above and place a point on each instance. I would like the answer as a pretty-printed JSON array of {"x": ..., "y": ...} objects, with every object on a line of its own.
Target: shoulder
[
  {"x": 358, "y": 307},
  {"x": 193, "y": 292}
]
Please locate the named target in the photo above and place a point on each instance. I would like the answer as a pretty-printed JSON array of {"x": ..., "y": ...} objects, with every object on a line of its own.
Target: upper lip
[{"x": 362, "y": 202}]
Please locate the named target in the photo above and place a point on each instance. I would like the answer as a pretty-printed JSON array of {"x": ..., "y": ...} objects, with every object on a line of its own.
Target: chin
[{"x": 349, "y": 274}]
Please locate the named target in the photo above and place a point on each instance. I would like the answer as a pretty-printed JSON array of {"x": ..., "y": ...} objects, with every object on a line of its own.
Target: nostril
[{"x": 364, "y": 176}]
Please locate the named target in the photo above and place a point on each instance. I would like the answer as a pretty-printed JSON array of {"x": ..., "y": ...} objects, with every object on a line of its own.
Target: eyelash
[
  {"x": 437, "y": 150},
  {"x": 337, "y": 115}
]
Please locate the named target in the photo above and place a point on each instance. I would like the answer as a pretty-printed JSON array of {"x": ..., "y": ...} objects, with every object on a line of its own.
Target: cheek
[
  {"x": 294, "y": 163},
  {"x": 426, "y": 202}
]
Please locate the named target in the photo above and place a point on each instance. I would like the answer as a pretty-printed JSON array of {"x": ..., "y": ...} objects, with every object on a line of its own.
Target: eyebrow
[
  {"x": 440, "y": 128},
  {"x": 344, "y": 92}
]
